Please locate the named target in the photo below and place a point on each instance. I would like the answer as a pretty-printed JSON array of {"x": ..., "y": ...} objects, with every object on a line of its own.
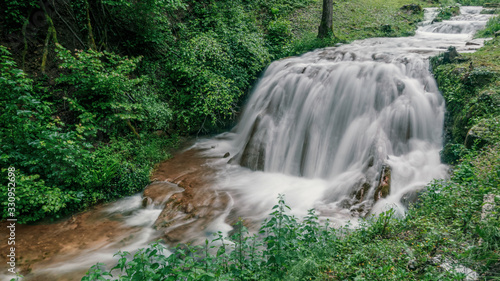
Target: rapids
[{"x": 323, "y": 127}]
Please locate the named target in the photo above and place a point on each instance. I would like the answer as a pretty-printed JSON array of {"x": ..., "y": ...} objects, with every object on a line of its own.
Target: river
[{"x": 349, "y": 130}]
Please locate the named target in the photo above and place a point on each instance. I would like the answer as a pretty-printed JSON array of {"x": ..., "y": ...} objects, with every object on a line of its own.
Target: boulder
[
  {"x": 158, "y": 192},
  {"x": 410, "y": 197},
  {"x": 253, "y": 155},
  {"x": 450, "y": 55}
]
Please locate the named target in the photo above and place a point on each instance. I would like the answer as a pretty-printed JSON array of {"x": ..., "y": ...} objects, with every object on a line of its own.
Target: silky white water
[{"x": 319, "y": 127}]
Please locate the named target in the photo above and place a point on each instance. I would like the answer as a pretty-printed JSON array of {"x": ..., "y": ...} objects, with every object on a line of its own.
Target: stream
[{"x": 350, "y": 131}]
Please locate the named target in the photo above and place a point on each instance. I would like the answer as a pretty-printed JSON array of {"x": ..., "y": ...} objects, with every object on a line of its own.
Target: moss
[{"x": 470, "y": 85}]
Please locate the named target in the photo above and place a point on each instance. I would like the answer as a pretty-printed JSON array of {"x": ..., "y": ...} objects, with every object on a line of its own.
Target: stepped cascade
[
  {"x": 345, "y": 128},
  {"x": 349, "y": 130}
]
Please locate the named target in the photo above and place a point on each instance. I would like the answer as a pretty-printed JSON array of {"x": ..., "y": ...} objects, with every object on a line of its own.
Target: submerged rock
[
  {"x": 158, "y": 192},
  {"x": 190, "y": 203}
]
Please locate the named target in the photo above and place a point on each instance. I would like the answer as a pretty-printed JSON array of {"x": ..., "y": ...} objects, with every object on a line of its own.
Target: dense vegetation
[
  {"x": 87, "y": 125},
  {"x": 97, "y": 92},
  {"x": 94, "y": 93},
  {"x": 445, "y": 236}
]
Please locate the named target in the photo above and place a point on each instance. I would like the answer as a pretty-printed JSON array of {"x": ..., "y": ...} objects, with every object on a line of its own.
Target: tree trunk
[{"x": 326, "y": 26}]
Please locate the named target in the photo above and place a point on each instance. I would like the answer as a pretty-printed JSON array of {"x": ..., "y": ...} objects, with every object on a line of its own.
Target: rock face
[
  {"x": 191, "y": 204},
  {"x": 254, "y": 153},
  {"x": 384, "y": 186}
]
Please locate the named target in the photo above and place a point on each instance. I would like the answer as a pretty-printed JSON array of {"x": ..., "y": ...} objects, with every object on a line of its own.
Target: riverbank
[
  {"x": 365, "y": 248},
  {"x": 446, "y": 235}
]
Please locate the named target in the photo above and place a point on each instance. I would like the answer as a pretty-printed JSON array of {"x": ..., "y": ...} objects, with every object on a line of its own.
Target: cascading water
[{"x": 333, "y": 128}]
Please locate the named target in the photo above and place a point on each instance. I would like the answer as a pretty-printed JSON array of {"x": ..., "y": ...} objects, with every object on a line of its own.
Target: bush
[
  {"x": 446, "y": 12},
  {"x": 58, "y": 170},
  {"x": 492, "y": 26}
]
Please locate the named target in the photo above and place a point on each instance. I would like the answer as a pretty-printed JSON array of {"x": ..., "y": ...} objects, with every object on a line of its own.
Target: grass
[
  {"x": 492, "y": 26},
  {"x": 358, "y": 19}
]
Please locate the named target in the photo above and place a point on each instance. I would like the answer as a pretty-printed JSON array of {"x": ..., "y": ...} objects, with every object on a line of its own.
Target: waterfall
[{"x": 347, "y": 130}]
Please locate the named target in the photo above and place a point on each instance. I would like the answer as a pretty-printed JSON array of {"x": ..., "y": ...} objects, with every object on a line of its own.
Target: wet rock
[
  {"x": 384, "y": 185},
  {"x": 361, "y": 209},
  {"x": 345, "y": 203},
  {"x": 410, "y": 197},
  {"x": 400, "y": 85},
  {"x": 363, "y": 191},
  {"x": 472, "y": 44},
  {"x": 477, "y": 136},
  {"x": 411, "y": 9},
  {"x": 146, "y": 201},
  {"x": 159, "y": 191},
  {"x": 253, "y": 156},
  {"x": 188, "y": 214},
  {"x": 450, "y": 55},
  {"x": 381, "y": 57},
  {"x": 226, "y": 155}
]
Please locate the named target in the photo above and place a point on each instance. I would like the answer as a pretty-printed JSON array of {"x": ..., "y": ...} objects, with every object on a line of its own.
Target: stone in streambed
[{"x": 159, "y": 191}]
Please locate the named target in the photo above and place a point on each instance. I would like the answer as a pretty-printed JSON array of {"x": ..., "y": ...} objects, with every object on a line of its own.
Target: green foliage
[
  {"x": 470, "y": 88},
  {"x": 35, "y": 144},
  {"x": 59, "y": 171},
  {"x": 277, "y": 8},
  {"x": 382, "y": 247},
  {"x": 467, "y": 2},
  {"x": 16, "y": 12},
  {"x": 220, "y": 55},
  {"x": 100, "y": 89},
  {"x": 279, "y": 35},
  {"x": 492, "y": 26},
  {"x": 446, "y": 12},
  {"x": 34, "y": 199}
]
